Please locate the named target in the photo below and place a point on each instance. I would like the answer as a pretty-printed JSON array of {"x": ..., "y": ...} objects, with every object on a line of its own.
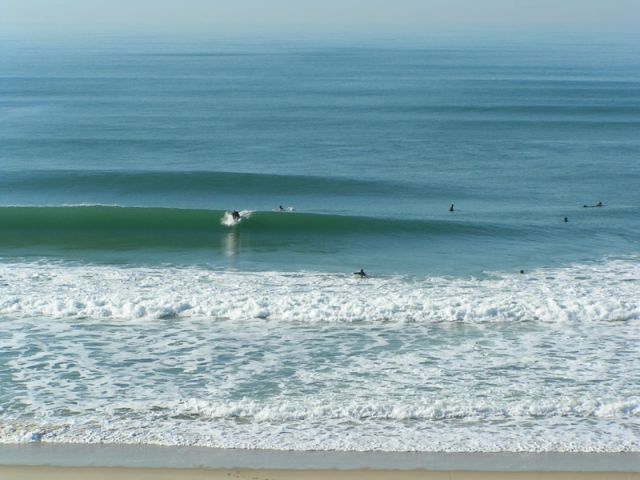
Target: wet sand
[
  {"x": 97, "y": 462},
  {"x": 96, "y": 473}
]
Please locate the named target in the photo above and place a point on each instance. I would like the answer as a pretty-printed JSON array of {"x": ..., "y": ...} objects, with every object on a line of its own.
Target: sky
[{"x": 299, "y": 16}]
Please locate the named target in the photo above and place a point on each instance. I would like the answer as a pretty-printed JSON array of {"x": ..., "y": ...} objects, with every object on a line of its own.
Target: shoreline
[
  {"x": 71, "y": 457},
  {"x": 96, "y": 473}
]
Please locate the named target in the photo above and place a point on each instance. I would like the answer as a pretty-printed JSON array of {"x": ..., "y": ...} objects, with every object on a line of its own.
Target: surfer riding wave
[{"x": 234, "y": 217}]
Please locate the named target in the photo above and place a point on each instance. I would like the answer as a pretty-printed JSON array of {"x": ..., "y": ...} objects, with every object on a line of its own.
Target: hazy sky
[{"x": 361, "y": 16}]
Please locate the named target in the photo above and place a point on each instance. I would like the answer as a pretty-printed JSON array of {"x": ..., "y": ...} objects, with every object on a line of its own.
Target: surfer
[
  {"x": 235, "y": 215},
  {"x": 281, "y": 208},
  {"x": 597, "y": 205},
  {"x": 566, "y": 219},
  {"x": 451, "y": 208},
  {"x": 361, "y": 273}
]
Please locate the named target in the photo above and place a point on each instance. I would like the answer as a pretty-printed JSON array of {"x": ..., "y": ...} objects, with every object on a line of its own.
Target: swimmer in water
[{"x": 361, "y": 273}]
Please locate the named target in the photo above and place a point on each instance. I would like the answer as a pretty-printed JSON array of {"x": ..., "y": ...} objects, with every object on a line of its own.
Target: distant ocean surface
[{"x": 132, "y": 310}]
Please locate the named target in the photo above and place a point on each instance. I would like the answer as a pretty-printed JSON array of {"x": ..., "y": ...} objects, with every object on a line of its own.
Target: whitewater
[
  {"x": 541, "y": 361},
  {"x": 597, "y": 292}
]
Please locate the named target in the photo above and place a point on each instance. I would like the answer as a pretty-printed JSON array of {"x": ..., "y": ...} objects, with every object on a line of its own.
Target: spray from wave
[{"x": 229, "y": 220}]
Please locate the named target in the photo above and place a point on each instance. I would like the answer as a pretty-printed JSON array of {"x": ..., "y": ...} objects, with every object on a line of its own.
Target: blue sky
[{"x": 300, "y": 16}]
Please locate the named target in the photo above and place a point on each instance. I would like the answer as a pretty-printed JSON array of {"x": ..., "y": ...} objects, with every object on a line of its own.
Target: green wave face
[{"x": 105, "y": 227}]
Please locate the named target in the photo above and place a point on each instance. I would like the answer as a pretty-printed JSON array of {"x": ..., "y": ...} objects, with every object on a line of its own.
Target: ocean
[{"x": 133, "y": 309}]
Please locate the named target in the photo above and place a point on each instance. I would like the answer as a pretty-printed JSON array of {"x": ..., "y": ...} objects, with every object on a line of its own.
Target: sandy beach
[
  {"x": 96, "y": 462},
  {"x": 72, "y": 473}
]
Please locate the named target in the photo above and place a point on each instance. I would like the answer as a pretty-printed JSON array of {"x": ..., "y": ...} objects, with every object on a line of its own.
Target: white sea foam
[
  {"x": 600, "y": 292},
  {"x": 346, "y": 434},
  {"x": 546, "y": 361},
  {"x": 228, "y": 220}
]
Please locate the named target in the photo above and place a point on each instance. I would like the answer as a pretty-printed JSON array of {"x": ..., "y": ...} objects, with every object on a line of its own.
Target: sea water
[{"x": 133, "y": 311}]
